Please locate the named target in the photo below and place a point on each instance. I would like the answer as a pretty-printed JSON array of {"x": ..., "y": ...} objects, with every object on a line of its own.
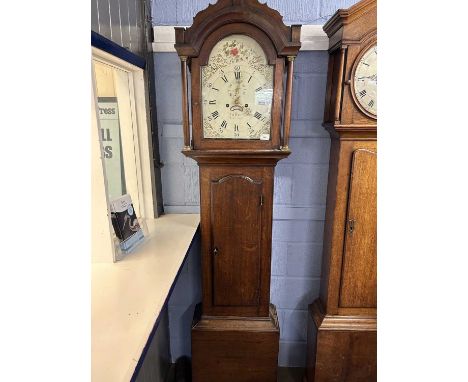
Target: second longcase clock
[
  {"x": 342, "y": 328},
  {"x": 237, "y": 52}
]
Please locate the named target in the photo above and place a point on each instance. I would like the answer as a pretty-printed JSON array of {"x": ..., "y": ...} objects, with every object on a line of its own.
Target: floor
[
  {"x": 285, "y": 374},
  {"x": 290, "y": 374}
]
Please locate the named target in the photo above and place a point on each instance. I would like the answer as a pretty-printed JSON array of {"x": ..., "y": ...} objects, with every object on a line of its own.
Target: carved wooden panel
[
  {"x": 359, "y": 272},
  {"x": 236, "y": 212}
]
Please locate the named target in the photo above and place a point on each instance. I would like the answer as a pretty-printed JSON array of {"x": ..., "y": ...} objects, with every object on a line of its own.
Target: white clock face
[
  {"x": 365, "y": 81},
  {"x": 237, "y": 90}
]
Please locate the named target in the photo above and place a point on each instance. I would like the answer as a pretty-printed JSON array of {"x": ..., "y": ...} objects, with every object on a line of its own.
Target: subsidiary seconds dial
[{"x": 365, "y": 81}]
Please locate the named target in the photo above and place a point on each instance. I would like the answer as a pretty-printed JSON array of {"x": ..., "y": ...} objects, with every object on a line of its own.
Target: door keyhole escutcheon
[
  {"x": 215, "y": 251},
  {"x": 351, "y": 225}
]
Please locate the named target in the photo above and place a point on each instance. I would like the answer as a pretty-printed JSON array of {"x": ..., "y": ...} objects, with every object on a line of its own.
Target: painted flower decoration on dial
[{"x": 237, "y": 90}]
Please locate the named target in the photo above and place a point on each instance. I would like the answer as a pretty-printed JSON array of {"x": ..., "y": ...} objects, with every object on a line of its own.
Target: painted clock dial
[
  {"x": 365, "y": 81},
  {"x": 237, "y": 90}
]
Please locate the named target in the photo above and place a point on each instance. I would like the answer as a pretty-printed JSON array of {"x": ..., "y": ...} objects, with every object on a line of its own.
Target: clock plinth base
[
  {"x": 340, "y": 348},
  {"x": 235, "y": 349}
]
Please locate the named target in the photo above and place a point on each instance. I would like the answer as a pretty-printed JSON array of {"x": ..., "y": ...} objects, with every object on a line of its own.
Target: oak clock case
[
  {"x": 237, "y": 52},
  {"x": 342, "y": 322}
]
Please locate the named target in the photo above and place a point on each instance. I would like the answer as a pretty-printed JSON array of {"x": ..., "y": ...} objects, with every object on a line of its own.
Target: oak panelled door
[
  {"x": 236, "y": 203},
  {"x": 360, "y": 254}
]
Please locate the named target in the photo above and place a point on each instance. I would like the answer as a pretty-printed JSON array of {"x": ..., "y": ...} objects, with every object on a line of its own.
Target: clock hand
[
  {"x": 236, "y": 101},
  {"x": 373, "y": 77}
]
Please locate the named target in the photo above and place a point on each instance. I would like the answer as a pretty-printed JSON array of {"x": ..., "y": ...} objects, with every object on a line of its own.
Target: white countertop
[{"x": 128, "y": 296}]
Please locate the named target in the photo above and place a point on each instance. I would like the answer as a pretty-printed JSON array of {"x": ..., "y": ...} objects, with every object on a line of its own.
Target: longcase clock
[
  {"x": 237, "y": 52},
  {"x": 342, "y": 327}
]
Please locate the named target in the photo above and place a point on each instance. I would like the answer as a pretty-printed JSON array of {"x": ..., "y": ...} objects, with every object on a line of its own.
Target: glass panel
[
  {"x": 110, "y": 130},
  {"x": 237, "y": 90}
]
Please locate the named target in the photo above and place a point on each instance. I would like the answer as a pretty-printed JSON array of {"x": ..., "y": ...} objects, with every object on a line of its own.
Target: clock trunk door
[
  {"x": 360, "y": 256},
  {"x": 236, "y": 213}
]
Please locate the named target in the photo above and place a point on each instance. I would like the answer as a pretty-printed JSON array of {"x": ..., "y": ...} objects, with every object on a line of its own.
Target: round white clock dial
[
  {"x": 237, "y": 90},
  {"x": 365, "y": 81}
]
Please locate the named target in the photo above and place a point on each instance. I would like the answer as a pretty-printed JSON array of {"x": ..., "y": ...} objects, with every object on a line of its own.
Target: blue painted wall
[
  {"x": 186, "y": 294},
  {"x": 300, "y": 180},
  {"x": 181, "y": 12}
]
